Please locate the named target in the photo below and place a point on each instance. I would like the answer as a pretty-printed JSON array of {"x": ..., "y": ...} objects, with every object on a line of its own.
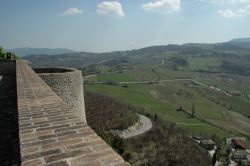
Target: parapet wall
[
  {"x": 68, "y": 84},
  {"x": 9, "y": 138},
  {"x": 50, "y": 133},
  {"x": 7, "y": 67}
]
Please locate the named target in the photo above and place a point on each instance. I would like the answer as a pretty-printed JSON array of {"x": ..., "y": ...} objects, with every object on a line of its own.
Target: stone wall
[
  {"x": 68, "y": 84},
  {"x": 9, "y": 139},
  {"x": 7, "y": 67},
  {"x": 50, "y": 133}
]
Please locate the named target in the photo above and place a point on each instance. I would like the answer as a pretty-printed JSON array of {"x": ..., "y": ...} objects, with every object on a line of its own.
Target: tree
[
  {"x": 180, "y": 108},
  {"x": 193, "y": 110},
  {"x": 3, "y": 55},
  {"x": 155, "y": 117},
  {"x": 214, "y": 159}
]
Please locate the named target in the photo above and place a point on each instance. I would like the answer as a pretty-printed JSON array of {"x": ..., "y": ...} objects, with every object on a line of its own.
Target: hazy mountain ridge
[
  {"x": 241, "y": 40},
  {"x": 39, "y": 51},
  {"x": 232, "y": 57}
]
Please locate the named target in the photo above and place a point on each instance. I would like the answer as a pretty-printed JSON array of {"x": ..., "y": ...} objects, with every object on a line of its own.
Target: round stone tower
[{"x": 67, "y": 84}]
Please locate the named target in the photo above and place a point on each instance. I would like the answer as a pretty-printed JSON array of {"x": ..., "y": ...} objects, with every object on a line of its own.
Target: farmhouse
[
  {"x": 238, "y": 144},
  {"x": 241, "y": 157},
  {"x": 208, "y": 144}
]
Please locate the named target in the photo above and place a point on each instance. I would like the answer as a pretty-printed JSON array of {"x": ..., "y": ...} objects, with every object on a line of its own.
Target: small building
[
  {"x": 241, "y": 157},
  {"x": 208, "y": 144},
  {"x": 198, "y": 138},
  {"x": 10, "y": 56},
  {"x": 236, "y": 93},
  {"x": 238, "y": 144}
]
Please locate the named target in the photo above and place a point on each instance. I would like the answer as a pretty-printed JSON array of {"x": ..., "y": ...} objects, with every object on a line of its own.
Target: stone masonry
[
  {"x": 67, "y": 84},
  {"x": 50, "y": 132}
]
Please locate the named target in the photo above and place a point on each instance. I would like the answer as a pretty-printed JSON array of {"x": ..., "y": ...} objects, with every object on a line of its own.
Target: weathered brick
[
  {"x": 30, "y": 150},
  {"x": 35, "y": 162},
  {"x": 59, "y": 163},
  {"x": 122, "y": 164},
  {"x": 86, "y": 144},
  {"x": 113, "y": 158},
  {"x": 80, "y": 162},
  {"x": 101, "y": 147},
  {"x": 64, "y": 144},
  {"x": 35, "y": 134},
  {"x": 70, "y": 154},
  {"x": 68, "y": 128},
  {"x": 43, "y": 142},
  {"x": 41, "y": 154},
  {"x": 51, "y": 133},
  {"x": 53, "y": 127}
]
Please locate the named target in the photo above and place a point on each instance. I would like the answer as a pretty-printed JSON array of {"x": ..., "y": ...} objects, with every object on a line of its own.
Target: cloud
[
  {"x": 244, "y": 1},
  {"x": 72, "y": 11},
  {"x": 164, "y": 6},
  {"x": 113, "y": 8},
  {"x": 229, "y": 13},
  {"x": 226, "y": 1},
  {"x": 222, "y": 1}
]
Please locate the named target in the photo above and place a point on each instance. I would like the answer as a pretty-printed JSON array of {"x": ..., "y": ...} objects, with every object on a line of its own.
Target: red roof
[{"x": 239, "y": 143}]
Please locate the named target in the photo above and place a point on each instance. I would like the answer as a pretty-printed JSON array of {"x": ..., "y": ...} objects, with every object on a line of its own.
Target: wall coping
[{"x": 50, "y": 133}]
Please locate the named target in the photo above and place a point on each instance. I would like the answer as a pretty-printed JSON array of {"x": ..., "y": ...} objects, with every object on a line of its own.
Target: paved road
[
  {"x": 160, "y": 81},
  {"x": 172, "y": 80},
  {"x": 192, "y": 124},
  {"x": 93, "y": 75},
  {"x": 162, "y": 63},
  {"x": 139, "y": 128}
]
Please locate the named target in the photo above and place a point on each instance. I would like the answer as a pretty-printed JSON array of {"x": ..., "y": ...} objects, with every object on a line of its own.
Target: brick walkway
[{"x": 51, "y": 134}]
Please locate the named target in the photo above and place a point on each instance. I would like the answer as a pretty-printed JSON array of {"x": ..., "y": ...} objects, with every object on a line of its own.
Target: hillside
[
  {"x": 164, "y": 144},
  {"x": 22, "y": 52},
  {"x": 170, "y": 81},
  {"x": 229, "y": 57},
  {"x": 243, "y": 40}
]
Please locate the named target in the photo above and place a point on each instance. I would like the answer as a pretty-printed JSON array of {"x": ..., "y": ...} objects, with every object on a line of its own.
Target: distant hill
[
  {"x": 230, "y": 57},
  {"x": 241, "y": 40},
  {"x": 39, "y": 51}
]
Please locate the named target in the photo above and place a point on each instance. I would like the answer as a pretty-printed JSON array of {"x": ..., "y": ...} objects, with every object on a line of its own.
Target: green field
[
  {"x": 139, "y": 96},
  {"x": 185, "y": 89},
  {"x": 165, "y": 98}
]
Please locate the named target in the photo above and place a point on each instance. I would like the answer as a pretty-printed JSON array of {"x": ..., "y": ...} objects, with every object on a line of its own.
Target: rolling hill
[{"x": 22, "y": 52}]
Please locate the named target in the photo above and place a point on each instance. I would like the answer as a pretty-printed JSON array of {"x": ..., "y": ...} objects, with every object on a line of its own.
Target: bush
[{"x": 104, "y": 112}]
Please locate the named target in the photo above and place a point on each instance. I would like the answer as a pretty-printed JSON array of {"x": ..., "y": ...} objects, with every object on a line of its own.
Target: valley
[{"x": 202, "y": 89}]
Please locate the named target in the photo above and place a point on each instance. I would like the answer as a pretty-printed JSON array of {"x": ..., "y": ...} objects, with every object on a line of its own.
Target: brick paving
[{"x": 50, "y": 133}]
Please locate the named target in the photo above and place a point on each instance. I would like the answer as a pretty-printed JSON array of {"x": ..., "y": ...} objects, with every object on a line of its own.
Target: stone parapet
[
  {"x": 68, "y": 85},
  {"x": 50, "y": 132}
]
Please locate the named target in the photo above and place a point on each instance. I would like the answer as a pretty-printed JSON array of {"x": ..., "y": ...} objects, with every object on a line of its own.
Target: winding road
[
  {"x": 172, "y": 80},
  {"x": 93, "y": 75},
  {"x": 162, "y": 63},
  {"x": 167, "y": 80},
  {"x": 192, "y": 124},
  {"x": 142, "y": 126}
]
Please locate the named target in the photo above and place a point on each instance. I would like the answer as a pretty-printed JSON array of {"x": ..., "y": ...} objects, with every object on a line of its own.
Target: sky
[{"x": 111, "y": 25}]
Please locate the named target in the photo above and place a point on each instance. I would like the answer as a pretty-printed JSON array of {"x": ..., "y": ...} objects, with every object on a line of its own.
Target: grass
[
  {"x": 204, "y": 63},
  {"x": 226, "y": 81},
  {"x": 164, "y": 98},
  {"x": 139, "y": 95},
  {"x": 248, "y": 144}
]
